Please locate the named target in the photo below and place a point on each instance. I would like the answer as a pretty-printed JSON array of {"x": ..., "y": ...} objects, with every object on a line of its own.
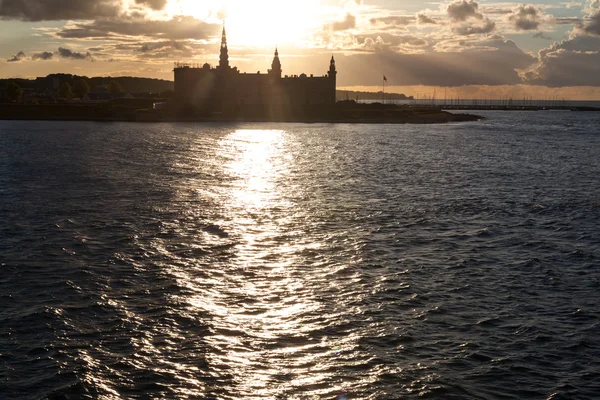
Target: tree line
[{"x": 72, "y": 86}]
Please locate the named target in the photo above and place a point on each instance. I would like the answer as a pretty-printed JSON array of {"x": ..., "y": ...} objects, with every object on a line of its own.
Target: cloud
[
  {"x": 149, "y": 47},
  {"x": 591, "y": 6},
  {"x": 17, "y": 57},
  {"x": 467, "y": 20},
  {"x": 400, "y": 20},
  {"x": 349, "y": 22},
  {"x": 591, "y": 26},
  {"x": 67, "y": 53},
  {"x": 424, "y": 19},
  {"x": 154, "y": 4},
  {"x": 492, "y": 61},
  {"x": 167, "y": 49},
  {"x": 572, "y": 62},
  {"x": 486, "y": 26},
  {"x": 527, "y": 17},
  {"x": 496, "y": 10},
  {"x": 177, "y": 28},
  {"x": 461, "y": 10},
  {"x": 567, "y": 20},
  {"x": 385, "y": 42},
  {"x": 138, "y": 50},
  {"x": 45, "y": 10},
  {"x": 45, "y": 55}
]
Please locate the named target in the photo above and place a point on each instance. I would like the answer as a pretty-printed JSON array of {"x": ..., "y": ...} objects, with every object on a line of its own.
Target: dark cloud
[
  {"x": 424, "y": 19},
  {"x": 526, "y": 17},
  {"x": 591, "y": 26},
  {"x": 67, "y": 53},
  {"x": 181, "y": 27},
  {"x": 154, "y": 4},
  {"x": 461, "y": 10},
  {"x": 394, "y": 20},
  {"x": 45, "y": 55},
  {"x": 44, "y": 10},
  {"x": 572, "y": 62},
  {"x": 17, "y": 57},
  {"x": 349, "y": 22},
  {"x": 471, "y": 66}
]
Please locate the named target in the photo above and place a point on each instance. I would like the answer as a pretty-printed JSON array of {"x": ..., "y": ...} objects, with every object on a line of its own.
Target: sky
[{"x": 458, "y": 48}]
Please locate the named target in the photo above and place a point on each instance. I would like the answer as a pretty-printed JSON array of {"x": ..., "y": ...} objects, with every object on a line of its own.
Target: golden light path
[
  {"x": 261, "y": 302},
  {"x": 274, "y": 298},
  {"x": 256, "y": 23}
]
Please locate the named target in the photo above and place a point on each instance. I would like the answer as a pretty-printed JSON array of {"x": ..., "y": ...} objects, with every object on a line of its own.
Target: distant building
[{"x": 225, "y": 88}]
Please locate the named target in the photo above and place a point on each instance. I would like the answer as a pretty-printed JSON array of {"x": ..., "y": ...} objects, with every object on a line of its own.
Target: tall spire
[
  {"x": 276, "y": 65},
  {"x": 224, "y": 57},
  {"x": 332, "y": 70},
  {"x": 332, "y": 80}
]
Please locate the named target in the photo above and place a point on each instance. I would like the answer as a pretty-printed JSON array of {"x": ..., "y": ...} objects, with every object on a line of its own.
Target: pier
[{"x": 505, "y": 104}]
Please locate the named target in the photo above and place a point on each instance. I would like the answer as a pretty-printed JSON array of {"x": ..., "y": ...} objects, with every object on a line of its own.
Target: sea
[{"x": 301, "y": 261}]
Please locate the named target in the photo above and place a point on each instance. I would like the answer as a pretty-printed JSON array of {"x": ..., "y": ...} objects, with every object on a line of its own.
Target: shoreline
[
  {"x": 339, "y": 114},
  {"x": 466, "y": 118}
]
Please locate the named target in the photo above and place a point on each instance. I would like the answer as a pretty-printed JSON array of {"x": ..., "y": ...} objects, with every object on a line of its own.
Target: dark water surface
[{"x": 291, "y": 261}]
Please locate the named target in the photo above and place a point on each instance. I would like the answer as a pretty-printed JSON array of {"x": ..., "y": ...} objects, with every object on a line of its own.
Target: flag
[{"x": 384, "y": 79}]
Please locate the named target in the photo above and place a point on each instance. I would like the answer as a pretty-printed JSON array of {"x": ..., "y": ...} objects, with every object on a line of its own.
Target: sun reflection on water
[
  {"x": 260, "y": 284},
  {"x": 256, "y": 168},
  {"x": 257, "y": 302}
]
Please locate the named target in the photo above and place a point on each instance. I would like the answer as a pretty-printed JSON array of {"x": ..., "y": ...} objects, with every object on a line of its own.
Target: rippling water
[{"x": 291, "y": 261}]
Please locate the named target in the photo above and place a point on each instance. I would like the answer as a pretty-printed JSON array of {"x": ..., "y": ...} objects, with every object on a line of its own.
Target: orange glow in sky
[{"x": 256, "y": 23}]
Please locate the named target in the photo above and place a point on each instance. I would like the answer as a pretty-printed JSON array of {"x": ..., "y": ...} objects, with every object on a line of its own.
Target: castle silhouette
[{"x": 226, "y": 89}]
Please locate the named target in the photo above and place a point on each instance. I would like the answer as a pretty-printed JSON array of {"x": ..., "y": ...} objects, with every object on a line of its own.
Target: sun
[{"x": 257, "y": 23}]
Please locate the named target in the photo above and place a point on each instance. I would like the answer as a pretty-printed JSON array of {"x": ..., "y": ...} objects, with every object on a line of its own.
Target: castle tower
[
  {"x": 333, "y": 81},
  {"x": 224, "y": 57},
  {"x": 332, "y": 70},
  {"x": 276, "y": 65}
]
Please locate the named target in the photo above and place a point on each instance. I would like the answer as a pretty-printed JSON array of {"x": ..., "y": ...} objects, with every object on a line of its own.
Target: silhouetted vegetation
[
  {"x": 51, "y": 83},
  {"x": 65, "y": 91},
  {"x": 13, "y": 91},
  {"x": 114, "y": 87},
  {"x": 81, "y": 88}
]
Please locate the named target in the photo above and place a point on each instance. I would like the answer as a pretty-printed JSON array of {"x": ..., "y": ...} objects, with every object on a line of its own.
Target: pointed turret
[
  {"x": 333, "y": 81},
  {"x": 276, "y": 65},
  {"x": 332, "y": 70},
  {"x": 224, "y": 57}
]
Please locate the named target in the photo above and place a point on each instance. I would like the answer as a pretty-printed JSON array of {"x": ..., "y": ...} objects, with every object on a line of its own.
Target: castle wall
[
  {"x": 195, "y": 87},
  {"x": 223, "y": 89},
  {"x": 306, "y": 90}
]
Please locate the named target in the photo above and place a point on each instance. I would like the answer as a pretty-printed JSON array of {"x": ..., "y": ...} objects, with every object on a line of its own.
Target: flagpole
[{"x": 383, "y": 92}]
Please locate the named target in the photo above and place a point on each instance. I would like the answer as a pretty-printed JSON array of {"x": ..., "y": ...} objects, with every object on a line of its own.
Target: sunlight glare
[{"x": 256, "y": 23}]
